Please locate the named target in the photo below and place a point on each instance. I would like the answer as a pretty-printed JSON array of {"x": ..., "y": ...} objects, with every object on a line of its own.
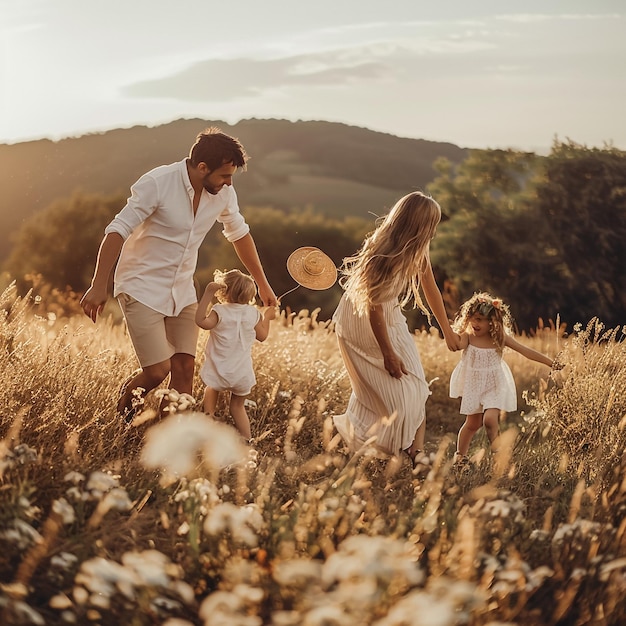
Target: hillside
[{"x": 333, "y": 168}]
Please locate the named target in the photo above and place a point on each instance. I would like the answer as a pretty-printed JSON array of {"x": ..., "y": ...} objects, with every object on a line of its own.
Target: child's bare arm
[
  {"x": 262, "y": 328},
  {"x": 529, "y": 353},
  {"x": 205, "y": 317}
]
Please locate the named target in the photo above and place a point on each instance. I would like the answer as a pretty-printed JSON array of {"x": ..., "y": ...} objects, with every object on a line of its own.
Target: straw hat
[{"x": 311, "y": 268}]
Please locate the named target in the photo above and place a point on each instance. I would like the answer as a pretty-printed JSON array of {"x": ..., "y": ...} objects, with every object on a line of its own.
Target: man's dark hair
[{"x": 215, "y": 148}]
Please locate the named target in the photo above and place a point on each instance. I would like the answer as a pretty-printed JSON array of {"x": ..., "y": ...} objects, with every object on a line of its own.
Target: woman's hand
[{"x": 394, "y": 365}]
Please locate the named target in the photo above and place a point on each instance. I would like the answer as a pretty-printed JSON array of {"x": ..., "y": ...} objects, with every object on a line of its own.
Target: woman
[{"x": 389, "y": 389}]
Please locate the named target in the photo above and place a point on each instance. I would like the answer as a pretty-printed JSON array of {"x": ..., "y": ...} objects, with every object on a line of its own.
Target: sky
[{"x": 477, "y": 73}]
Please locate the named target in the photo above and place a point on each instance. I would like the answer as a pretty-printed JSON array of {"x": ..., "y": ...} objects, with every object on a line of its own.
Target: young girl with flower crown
[{"x": 482, "y": 378}]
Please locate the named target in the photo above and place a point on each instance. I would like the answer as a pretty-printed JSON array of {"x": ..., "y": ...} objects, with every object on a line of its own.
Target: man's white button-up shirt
[{"x": 162, "y": 236}]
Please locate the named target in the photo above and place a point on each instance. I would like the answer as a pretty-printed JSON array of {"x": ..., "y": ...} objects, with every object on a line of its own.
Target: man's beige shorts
[{"x": 156, "y": 337}]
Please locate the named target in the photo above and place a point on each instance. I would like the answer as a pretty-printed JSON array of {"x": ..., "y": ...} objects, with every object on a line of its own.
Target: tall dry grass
[{"x": 175, "y": 522}]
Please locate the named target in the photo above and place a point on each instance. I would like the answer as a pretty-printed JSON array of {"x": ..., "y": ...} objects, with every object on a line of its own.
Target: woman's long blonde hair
[{"x": 391, "y": 260}]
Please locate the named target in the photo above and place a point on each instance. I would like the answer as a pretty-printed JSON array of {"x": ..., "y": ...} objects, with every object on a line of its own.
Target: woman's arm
[
  {"x": 393, "y": 363},
  {"x": 435, "y": 302},
  {"x": 529, "y": 353}
]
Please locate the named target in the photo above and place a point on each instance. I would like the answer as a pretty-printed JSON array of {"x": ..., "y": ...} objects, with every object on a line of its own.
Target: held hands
[
  {"x": 453, "y": 341},
  {"x": 267, "y": 295},
  {"x": 270, "y": 313}
]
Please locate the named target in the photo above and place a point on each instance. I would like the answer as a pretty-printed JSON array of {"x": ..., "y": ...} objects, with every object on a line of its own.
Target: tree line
[{"x": 545, "y": 233}]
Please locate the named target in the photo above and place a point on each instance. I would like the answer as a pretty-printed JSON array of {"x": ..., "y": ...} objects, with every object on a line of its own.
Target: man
[{"x": 153, "y": 245}]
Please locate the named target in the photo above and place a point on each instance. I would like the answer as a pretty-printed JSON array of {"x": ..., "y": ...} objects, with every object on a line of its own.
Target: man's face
[{"x": 215, "y": 180}]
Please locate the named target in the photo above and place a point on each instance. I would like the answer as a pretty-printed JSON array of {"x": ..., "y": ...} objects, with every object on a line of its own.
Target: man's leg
[
  {"x": 147, "y": 379},
  {"x": 182, "y": 368}
]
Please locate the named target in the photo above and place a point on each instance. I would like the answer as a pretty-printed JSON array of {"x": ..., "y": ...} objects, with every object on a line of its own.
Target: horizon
[{"x": 491, "y": 75}]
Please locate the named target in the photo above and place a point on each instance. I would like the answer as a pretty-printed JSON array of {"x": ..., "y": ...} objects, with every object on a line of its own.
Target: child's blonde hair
[
  {"x": 239, "y": 288},
  {"x": 392, "y": 258},
  {"x": 498, "y": 314}
]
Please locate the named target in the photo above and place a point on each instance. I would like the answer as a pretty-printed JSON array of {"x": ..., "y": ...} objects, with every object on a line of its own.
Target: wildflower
[
  {"x": 175, "y": 444},
  {"x": 74, "y": 477},
  {"x": 223, "y": 608},
  {"x": 241, "y": 522},
  {"x": 63, "y": 560},
  {"x": 64, "y": 510},
  {"x": 297, "y": 572},
  {"x": 100, "y": 482}
]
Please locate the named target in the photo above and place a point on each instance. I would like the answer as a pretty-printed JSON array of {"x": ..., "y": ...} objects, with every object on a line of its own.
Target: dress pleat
[{"x": 381, "y": 406}]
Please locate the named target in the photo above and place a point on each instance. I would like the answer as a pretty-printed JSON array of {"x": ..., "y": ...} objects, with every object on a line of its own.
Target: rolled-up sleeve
[
  {"x": 235, "y": 226},
  {"x": 139, "y": 206}
]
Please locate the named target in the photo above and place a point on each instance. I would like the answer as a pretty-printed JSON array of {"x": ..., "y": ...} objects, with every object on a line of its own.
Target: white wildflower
[
  {"x": 431, "y": 610},
  {"x": 152, "y": 567},
  {"x": 21, "y": 534},
  {"x": 175, "y": 444},
  {"x": 242, "y": 522},
  {"x": 222, "y": 608},
  {"x": 63, "y": 509},
  {"x": 297, "y": 572},
  {"x": 379, "y": 557},
  {"x": 537, "y": 576},
  {"x": 184, "y": 591},
  {"x": 74, "y": 477},
  {"x": 99, "y": 575},
  {"x": 100, "y": 482},
  {"x": 117, "y": 499},
  {"x": 63, "y": 560}
]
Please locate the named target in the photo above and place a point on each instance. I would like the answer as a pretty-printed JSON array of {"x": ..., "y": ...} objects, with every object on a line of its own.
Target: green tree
[
  {"x": 61, "y": 242},
  {"x": 581, "y": 195},
  {"x": 277, "y": 235},
  {"x": 544, "y": 233}
]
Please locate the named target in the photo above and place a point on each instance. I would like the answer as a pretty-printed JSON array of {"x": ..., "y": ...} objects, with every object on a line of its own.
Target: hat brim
[{"x": 324, "y": 275}]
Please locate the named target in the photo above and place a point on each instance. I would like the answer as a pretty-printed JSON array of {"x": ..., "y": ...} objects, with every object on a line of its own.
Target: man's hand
[{"x": 93, "y": 302}]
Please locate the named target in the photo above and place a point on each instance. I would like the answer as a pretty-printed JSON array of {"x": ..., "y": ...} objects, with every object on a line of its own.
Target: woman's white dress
[
  {"x": 390, "y": 409},
  {"x": 228, "y": 353},
  {"x": 484, "y": 381}
]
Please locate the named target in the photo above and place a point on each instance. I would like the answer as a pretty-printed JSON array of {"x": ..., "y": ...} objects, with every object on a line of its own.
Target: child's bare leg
[
  {"x": 240, "y": 416},
  {"x": 491, "y": 420},
  {"x": 210, "y": 401},
  {"x": 467, "y": 431}
]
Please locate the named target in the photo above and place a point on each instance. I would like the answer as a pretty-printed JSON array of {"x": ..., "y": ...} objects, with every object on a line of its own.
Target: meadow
[{"x": 175, "y": 522}]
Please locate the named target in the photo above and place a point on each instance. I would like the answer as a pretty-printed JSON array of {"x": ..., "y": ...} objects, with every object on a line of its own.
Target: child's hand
[
  {"x": 212, "y": 288},
  {"x": 270, "y": 313}
]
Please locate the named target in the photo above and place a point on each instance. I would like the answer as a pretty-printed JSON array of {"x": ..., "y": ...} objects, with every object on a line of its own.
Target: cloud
[
  {"x": 543, "y": 17},
  {"x": 246, "y": 77},
  {"x": 224, "y": 79}
]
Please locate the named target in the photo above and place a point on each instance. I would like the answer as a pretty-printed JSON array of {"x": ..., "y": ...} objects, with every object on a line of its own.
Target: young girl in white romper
[
  {"x": 235, "y": 323},
  {"x": 482, "y": 378}
]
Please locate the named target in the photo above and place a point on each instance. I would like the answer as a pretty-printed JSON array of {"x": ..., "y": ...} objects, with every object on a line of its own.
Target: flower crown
[{"x": 485, "y": 307}]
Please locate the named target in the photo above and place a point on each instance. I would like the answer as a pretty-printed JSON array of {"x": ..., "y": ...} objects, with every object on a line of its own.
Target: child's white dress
[
  {"x": 484, "y": 381},
  {"x": 228, "y": 353}
]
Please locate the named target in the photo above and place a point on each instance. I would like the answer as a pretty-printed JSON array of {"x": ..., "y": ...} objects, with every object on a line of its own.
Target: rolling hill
[{"x": 331, "y": 168}]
